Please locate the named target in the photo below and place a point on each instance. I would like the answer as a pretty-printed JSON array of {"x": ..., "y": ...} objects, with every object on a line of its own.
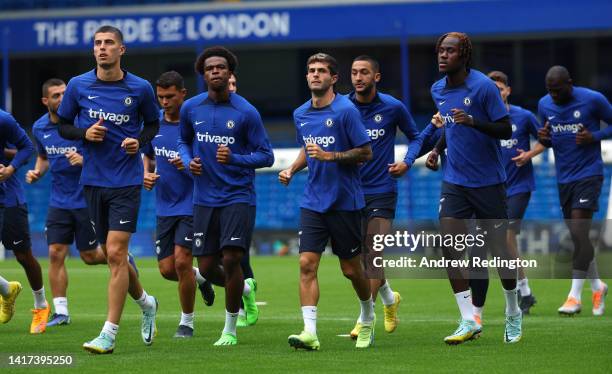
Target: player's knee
[
  {"x": 88, "y": 257},
  {"x": 350, "y": 272},
  {"x": 116, "y": 258},
  {"x": 24, "y": 258},
  {"x": 167, "y": 272},
  {"x": 56, "y": 255},
  {"x": 307, "y": 267},
  {"x": 182, "y": 265}
]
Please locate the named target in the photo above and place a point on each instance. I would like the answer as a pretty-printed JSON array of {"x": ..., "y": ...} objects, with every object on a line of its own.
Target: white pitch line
[{"x": 260, "y": 303}]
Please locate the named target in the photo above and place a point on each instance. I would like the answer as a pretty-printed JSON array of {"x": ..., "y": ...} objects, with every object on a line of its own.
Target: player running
[
  {"x": 382, "y": 115},
  {"x": 116, "y": 114},
  {"x": 67, "y": 217},
  {"x": 165, "y": 171},
  {"x": 223, "y": 140},
  {"x": 572, "y": 118},
  {"x": 334, "y": 142},
  {"x": 475, "y": 118}
]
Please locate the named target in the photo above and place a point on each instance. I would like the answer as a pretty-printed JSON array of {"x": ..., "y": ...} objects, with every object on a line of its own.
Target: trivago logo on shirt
[
  {"x": 509, "y": 143},
  {"x": 568, "y": 128},
  {"x": 448, "y": 118},
  {"x": 116, "y": 118},
  {"x": 375, "y": 133},
  {"x": 323, "y": 141},
  {"x": 53, "y": 150},
  {"x": 216, "y": 139},
  {"x": 164, "y": 152}
]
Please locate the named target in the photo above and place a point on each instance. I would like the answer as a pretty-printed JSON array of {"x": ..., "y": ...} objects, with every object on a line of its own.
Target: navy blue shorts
[
  {"x": 16, "y": 229},
  {"x": 380, "y": 205},
  {"x": 517, "y": 205},
  {"x": 344, "y": 228},
  {"x": 215, "y": 228},
  {"x": 1, "y": 220},
  {"x": 67, "y": 225},
  {"x": 171, "y": 231},
  {"x": 112, "y": 209},
  {"x": 581, "y": 194},
  {"x": 473, "y": 202}
]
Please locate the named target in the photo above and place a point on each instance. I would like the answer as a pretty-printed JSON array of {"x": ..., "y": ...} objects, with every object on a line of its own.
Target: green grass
[{"x": 428, "y": 313}]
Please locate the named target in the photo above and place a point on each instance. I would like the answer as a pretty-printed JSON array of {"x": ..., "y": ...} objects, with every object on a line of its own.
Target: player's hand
[
  {"x": 96, "y": 132},
  {"x": 544, "y": 132},
  {"x": 130, "y": 145},
  {"x": 74, "y": 158},
  {"x": 461, "y": 117},
  {"x": 314, "y": 151},
  {"x": 584, "y": 136},
  {"x": 32, "y": 176},
  {"x": 6, "y": 172},
  {"x": 177, "y": 162},
  {"x": 224, "y": 154},
  {"x": 398, "y": 169},
  {"x": 432, "y": 160},
  {"x": 437, "y": 121},
  {"x": 149, "y": 181},
  {"x": 195, "y": 166},
  {"x": 522, "y": 158},
  {"x": 284, "y": 177}
]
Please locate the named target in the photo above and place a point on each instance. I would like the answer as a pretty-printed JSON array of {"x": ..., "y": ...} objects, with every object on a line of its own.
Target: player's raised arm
[
  {"x": 284, "y": 177},
  {"x": 261, "y": 154}
]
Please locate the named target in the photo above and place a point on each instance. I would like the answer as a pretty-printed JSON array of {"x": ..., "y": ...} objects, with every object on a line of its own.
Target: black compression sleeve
[
  {"x": 68, "y": 130},
  {"x": 149, "y": 130},
  {"x": 501, "y": 129},
  {"x": 441, "y": 144}
]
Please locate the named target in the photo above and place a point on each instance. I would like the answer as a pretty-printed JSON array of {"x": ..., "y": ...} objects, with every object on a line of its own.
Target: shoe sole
[
  {"x": 297, "y": 344},
  {"x": 475, "y": 336},
  {"x": 568, "y": 314},
  {"x": 513, "y": 341},
  {"x": 97, "y": 351},
  {"x": 14, "y": 299}
]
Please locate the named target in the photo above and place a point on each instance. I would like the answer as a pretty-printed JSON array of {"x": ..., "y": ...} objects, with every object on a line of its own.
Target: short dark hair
[
  {"x": 169, "y": 79},
  {"x": 371, "y": 60},
  {"x": 216, "y": 51},
  {"x": 111, "y": 29},
  {"x": 465, "y": 45},
  {"x": 331, "y": 62},
  {"x": 51, "y": 83},
  {"x": 498, "y": 76}
]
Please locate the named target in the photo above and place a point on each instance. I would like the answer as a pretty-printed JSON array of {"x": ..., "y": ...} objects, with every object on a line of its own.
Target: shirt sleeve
[
  {"x": 39, "y": 146},
  {"x": 14, "y": 134},
  {"x": 148, "y": 106},
  {"x": 532, "y": 124},
  {"x": 493, "y": 103},
  {"x": 186, "y": 135},
  {"x": 408, "y": 127},
  {"x": 147, "y": 150},
  {"x": 69, "y": 107},
  {"x": 604, "y": 112},
  {"x": 355, "y": 129},
  {"x": 259, "y": 148}
]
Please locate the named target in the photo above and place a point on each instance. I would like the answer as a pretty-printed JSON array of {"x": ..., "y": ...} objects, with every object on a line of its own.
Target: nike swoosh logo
[
  {"x": 121, "y": 222},
  {"x": 441, "y": 102},
  {"x": 442, "y": 199},
  {"x": 375, "y": 210},
  {"x": 583, "y": 200},
  {"x": 354, "y": 249},
  {"x": 157, "y": 136},
  {"x": 498, "y": 225},
  {"x": 46, "y": 136},
  {"x": 17, "y": 242},
  {"x": 198, "y": 122},
  {"x": 187, "y": 239},
  {"x": 234, "y": 238},
  {"x": 150, "y": 332},
  {"x": 92, "y": 97},
  {"x": 92, "y": 242},
  {"x": 465, "y": 297},
  {"x": 511, "y": 222},
  {"x": 550, "y": 117},
  {"x": 302, "y": 124}
]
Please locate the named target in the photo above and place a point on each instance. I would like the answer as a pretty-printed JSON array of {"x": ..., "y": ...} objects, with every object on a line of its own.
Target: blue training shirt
[
  {"x": 13, "y": 136},
  {"x": 205, "y": 125},
  {"x": 66, "y": 191},
  {"x": 524, "y": 125},
  {"x": 585, "y": 109},
  {"x": 473, "y": 158},
  {"x": 123, "y": 105},
  {"x": 381, "y": 119},
  {"x": 174, "y": 188},
  {"x": 335, "y": 128}
]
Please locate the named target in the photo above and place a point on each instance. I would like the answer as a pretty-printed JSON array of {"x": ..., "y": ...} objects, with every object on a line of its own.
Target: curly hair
[
  {"x": 216, "y": 51},
  {"x": 465, "y": 45}
]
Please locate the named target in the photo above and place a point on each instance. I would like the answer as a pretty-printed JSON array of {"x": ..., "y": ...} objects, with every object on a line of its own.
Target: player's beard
[
  {"x": 367, "y": 90},
  {"x": 320, "y": 91}
]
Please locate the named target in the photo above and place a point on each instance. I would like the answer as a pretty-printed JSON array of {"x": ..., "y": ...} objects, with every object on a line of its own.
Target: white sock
[
  {"x": 367, "y": 310},
  {"x": 477, "y": 310},
  {"x": 247, "y": 289},
  {"x": 464, "y": 302},
  {"x": 386, "y": 294},
  {"x": 309, "y": 313},
  {"x": 523, "y": 285},
  {"x": 145, "y": 301},
  {"x": 61, "y": 305},
  {"x": 40, "y": 302},
  {"x": 110, "y": 329},
  {"x": 577, "y": 284},
  {"x": 512, "y": 307},
  {"x": 199, "y": 278},
  {"x": 241, "y": 312},
  {"x": 596, "y": 284},
  {"x": 187, "y": 319},
  {"x": 230, "y": 323},
  {"x": 4, "y": 287}
]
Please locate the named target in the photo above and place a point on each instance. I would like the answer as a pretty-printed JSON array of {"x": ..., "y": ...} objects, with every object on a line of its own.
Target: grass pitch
[{"x": 428, "y": 313}]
